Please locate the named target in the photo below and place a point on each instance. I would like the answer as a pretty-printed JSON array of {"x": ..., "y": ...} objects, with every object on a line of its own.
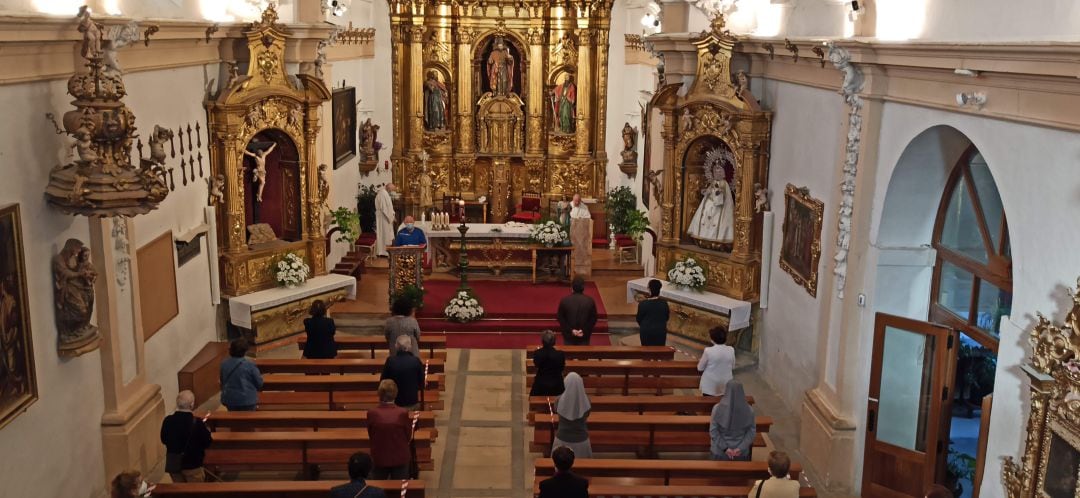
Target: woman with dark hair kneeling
[
  {"x": 320, "y": 331},
  {"x": 652, "y": 317},
  {"x": 733, "y": 427},
  {"x": 550, "y": 363}
]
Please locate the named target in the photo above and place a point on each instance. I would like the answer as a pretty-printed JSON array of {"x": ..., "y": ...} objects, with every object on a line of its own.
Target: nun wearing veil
[
  {"x": 573, "y": 408},
  {"x": 732, "y": 427}
]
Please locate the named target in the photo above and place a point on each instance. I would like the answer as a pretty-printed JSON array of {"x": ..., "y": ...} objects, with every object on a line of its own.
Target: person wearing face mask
[
  {"x": 409, "y": 234},
  {"x": 130, "y": 484}
]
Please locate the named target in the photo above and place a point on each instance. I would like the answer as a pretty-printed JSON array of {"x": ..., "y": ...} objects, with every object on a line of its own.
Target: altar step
[{"x": 352, "y": 264}]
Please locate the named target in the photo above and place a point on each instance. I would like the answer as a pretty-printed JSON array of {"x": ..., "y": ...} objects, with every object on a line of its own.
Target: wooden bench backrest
[
  {"x": 675, "y": 491},
  {"x": 300, "y": 419},
  {"x": 336, "y": 366},
  {"x": 614, "y": 421},
  {"x": 642, "y": 403},
  {"x": 662, "y": 469},
  {"x": 275, "y": 489},
  {"x": 613, "y": 352}
]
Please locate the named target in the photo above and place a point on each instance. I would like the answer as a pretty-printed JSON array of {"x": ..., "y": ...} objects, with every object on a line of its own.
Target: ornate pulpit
[{"x": 406, "y": 267}]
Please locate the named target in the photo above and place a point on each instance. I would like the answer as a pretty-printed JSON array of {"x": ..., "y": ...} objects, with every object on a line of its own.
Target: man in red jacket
[{"x": 390, "y": 431}]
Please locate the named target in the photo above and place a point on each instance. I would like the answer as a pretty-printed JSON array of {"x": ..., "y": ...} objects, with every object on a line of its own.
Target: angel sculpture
[
  {"x": 84, "y": 144},
  {"x": 761, "y": 198},
  {"x": 92, "y": 35},
  {"x": 259, "y": 176},
  {"x": 216, "y": 187},
  {"x": 656, "y": 183},
  {"x": 714, "y": 219},
  {"x": 324, "y": 185},
  {"x": 118, "y": 37},
  {"x": 157, "y": 144}
]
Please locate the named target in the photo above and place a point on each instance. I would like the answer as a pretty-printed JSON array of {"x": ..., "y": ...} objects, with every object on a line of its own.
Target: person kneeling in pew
[
  {"x": 359, "y": 467},
  {"x": 732, "y": 428}
]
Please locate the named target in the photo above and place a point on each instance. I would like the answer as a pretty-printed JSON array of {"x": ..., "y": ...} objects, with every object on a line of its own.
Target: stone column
[{"x": 133, "y": 408}]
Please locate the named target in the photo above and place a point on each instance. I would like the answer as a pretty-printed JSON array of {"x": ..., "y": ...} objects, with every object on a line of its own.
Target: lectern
[{"x": 406, "y": 267}]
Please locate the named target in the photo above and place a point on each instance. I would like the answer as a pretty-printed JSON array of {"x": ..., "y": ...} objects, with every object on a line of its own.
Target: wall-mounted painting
[
  {"x": 801, "y": 246},
  {"x": 344, "y": 116},
  {"x": 18, "y": 380}
]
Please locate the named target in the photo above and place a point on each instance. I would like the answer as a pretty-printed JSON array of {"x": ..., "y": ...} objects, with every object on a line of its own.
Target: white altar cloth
[
  {"x": 738, "y": 312},
  {"x": 479, "y": 230},
  {"x": 241, "y": 308}
]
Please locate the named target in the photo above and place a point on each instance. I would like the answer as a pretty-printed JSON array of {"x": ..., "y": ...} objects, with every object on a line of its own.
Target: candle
[{"x": 461, "y": 203}]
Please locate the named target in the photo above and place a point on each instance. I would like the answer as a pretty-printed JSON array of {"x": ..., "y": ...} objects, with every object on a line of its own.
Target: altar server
[{"x": 384, "y": 219}]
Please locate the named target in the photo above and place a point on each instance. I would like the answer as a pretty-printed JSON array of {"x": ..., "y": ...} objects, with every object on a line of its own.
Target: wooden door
[{"x": 908, "y": 406}]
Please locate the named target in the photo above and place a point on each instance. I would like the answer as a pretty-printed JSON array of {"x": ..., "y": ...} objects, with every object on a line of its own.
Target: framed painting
[
  {"x": 343, "y": 108},
  {"x": 18, "y": 380},
  {"x": 801, "y": 247}
]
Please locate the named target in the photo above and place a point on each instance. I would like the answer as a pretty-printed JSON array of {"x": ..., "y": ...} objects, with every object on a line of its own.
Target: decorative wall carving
[{"x": 852, "y": 85}]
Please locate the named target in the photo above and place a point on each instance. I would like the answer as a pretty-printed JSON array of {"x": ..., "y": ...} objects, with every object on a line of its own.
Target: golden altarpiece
[
  {"x": 506, "y": 97},
  {"x": 715, "y": 155},
  {"x": 263, "y": 127},
  {"x": 1050, "y": 465}
]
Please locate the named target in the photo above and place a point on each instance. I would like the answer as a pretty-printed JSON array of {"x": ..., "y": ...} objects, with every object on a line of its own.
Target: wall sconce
[
  {"x": 820, "y": 53},
  {"x": 973, "y": 99},
  {"x": 794, "y": 49},
  {"x": 770, "y": 49}
]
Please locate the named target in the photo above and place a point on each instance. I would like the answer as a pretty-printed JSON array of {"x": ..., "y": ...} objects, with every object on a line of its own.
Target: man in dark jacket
[
  {"x": 406, "y": 371},
  {"x": 564, "y": 484},
  {"x": 359, "y": 467},
  {"x": 185, "y": 438},
  {"x": 577, "y": 315}
]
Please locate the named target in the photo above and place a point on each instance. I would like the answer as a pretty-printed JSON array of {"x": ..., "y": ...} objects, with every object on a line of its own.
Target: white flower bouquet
[
  {"x": 687, "y": 274},
  {"x": 291, "y": 270},
  {"x": 463, "y": 308},
  {"x": 548, "y": 233}
]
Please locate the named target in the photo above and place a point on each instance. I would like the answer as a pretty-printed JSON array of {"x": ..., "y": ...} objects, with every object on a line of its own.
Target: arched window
[{"x": 972, "y": 283}]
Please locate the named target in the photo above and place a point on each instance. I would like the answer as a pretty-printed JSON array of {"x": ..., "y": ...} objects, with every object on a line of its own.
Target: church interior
[{"x": 823, "y": 194}]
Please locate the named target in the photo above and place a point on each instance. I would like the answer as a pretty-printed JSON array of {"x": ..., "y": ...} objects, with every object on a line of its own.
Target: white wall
[
  {"x": 805, "y": 153},
  {"x": 1034, "y": 169},
  {"x": 375, "y": 84}
]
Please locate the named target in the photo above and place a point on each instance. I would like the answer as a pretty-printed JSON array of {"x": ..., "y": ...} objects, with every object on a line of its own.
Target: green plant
[
  {"x": 959, "y": 467},
  {"x": 636, "y": 224},
  {"x": 365, "y": 207},
  {"x": 348, "y": 222},
  {"x": 412, "y": 292},
  {"x": 621, "y": 202}
]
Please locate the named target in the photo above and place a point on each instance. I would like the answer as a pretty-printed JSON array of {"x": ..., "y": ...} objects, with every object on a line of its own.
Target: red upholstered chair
[
  {"x": 529, "y": 209},
  {"x": 626, "y": 247},
  {"x": 367, "y": 240},
  {"x": 600, "y": 230}
]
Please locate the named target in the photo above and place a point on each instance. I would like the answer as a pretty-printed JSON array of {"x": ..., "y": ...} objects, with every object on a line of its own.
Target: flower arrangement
[
  {"x": 548, "y": 233},
  {"x": 687, "y": 274},
  {"x": 463, "y": 308},
  {"x": 291, "y": 270}
]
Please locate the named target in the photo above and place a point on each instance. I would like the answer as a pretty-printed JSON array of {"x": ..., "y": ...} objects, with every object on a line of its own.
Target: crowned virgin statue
[{"x": 714, "y": 219}]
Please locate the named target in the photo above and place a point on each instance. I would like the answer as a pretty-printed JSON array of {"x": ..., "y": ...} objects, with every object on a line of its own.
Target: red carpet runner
[{"x": 514, "y": 313}]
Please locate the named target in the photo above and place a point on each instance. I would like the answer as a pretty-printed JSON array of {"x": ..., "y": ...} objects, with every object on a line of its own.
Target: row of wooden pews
[
  {"x": 637, "y": 408},
  {"x": 311, "y": 418}
]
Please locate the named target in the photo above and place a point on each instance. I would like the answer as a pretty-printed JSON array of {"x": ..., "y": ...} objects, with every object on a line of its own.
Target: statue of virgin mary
[{"x": 714, "y": 219}]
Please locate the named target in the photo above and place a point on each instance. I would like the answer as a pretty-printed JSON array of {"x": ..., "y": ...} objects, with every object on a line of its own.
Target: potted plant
[
  {"x": 636, "y": 224},
  {"x": 959, "y": 467},
  {"x": 621, "y": 203},
  {"x": 412, "y": 292},
  {"x": 291, "y": 270},
  {"x": 365, "y": 207},
  {"x": 687, "y": 274},
  {"x": 464, "y": 307},
  {"x": 348, "y": 223}
]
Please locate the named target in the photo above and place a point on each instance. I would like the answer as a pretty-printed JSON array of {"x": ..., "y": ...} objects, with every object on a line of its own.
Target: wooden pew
[
  {"x": 302, "y": 419},
  {"x": 429, "y": 344},
  {"x": 299, "y": 449},
  {"x": 335, "y": 366},
  {"x": 607, "y": 490},
  {"x": 336, "y": 385},
  {"x": 632, "y": 375},
  {"x": 639, "y": 403},
  {"x": 347, "y": 400},
  {"x": 613, "y": 352},
  {"x": 275, "y": 489},
  {"x": 649, "y": 433},
  {"x": 665, "y": 472}
]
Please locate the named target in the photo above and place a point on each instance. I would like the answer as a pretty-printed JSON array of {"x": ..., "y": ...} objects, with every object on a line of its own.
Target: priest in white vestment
[
  {"x": 581, "y": 236},
  {"x": 384, "y": 219},
  {"x": 714, "y": 219}
]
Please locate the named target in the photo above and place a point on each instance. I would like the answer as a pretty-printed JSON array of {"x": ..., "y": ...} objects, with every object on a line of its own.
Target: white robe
[
  {"x": 714, "y": 219},
  {"x": 384, "y": 221}
]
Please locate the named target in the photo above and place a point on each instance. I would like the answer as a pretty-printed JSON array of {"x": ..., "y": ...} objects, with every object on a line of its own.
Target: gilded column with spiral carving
[
  {"x": 415, "y": 112},
  {"x": 464, "y": 37},
  {"x": 234, "y": 188},
  {"x": 534, "y": 126},
  {"x": 601, "y": 96},
  {"x": 397, "y": 56},
  {"x": 670, "y": 218}
]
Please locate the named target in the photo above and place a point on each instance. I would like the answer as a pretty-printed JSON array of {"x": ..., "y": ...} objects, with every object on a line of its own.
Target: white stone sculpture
[
  {"x": 714, "y": 219},
  {"x": 850, "y": 88},
  {"x": 157, "y": 144},
  {"x": 92, "y": 35},
  {"x": 118, "y": 37},
  {"x": 216, "y": 188},
  {"x": 761, "y": 198},
  {"x": 324, "y": 185},
  {"x": 686, "y": 121}
]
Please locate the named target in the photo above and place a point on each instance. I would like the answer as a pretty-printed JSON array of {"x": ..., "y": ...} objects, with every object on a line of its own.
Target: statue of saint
[
  {"x": 259, "y": 177},
  {"x": 629, "y": 139},
  {"x": 500, "y": 68},
  {"x": 73, "y": 279},
  {"x": 564, "y": 104},
  {"x": 434, "y": 103},
  {"x": 714, "y": 219}
]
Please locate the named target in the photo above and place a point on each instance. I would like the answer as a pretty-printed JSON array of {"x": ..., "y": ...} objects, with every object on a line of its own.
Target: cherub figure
[
  {"x": 324, "y": 185},
  {"x": 686, "y": 121},
  {"x": 157, "y": 144},
  {"x": 761, "y": 198},
  {"x": 234, "y": 74},
  {"x": 118, "y": 37},
  {"x": 84, "y": 145},
  {"x": 216, "y": 187},
  {"x": 92, "y": 36},
  {"x": 260, "y": 169}
]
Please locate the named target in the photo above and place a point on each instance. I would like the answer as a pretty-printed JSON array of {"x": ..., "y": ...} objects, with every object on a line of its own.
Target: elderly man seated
[{"x": 409, "y": 234}]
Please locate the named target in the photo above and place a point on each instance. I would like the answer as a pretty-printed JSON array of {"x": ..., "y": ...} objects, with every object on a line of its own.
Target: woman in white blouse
[{"x": 716, "y": 363}]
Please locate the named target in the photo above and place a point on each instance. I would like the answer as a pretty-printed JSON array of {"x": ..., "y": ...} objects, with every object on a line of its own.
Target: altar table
[
  {"x": 496, "y": 247},
  {"x": 276, "y": 313},
  {"x": 693, "y": 312}
]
